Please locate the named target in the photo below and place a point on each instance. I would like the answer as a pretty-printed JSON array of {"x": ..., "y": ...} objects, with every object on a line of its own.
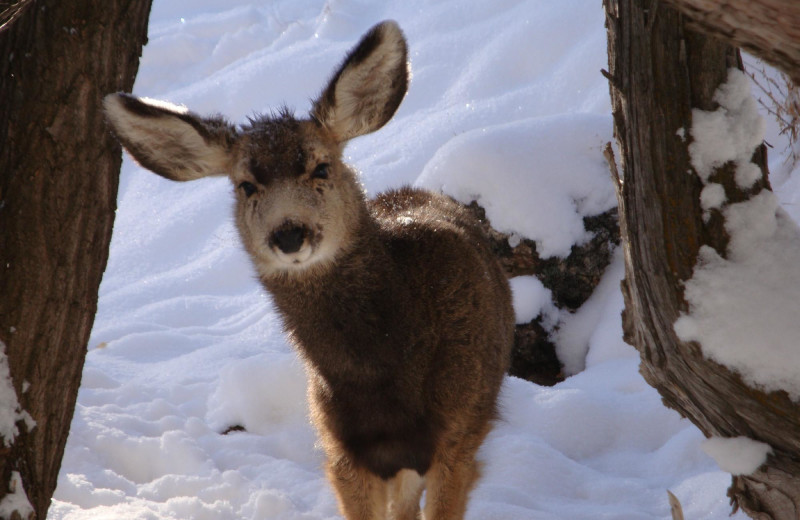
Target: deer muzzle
[{"x": 289, "y": 237}]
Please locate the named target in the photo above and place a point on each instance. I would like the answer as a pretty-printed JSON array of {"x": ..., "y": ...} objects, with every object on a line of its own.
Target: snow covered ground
[{"x": 507, "y": 105}]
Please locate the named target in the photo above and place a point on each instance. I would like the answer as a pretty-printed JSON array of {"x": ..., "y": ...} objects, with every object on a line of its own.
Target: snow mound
[
  {"x": 737, "y": 455},
  {"x": 537, "y": 178}
]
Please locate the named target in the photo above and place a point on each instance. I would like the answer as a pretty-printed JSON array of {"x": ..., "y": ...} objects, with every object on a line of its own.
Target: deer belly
[
  {"x": 377, "y": 429},
  {"x": 386, "y": 452}
]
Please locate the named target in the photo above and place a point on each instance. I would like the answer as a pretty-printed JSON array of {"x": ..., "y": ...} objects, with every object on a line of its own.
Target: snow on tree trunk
[
  {"x": 58, "y": 184},
  {"x": 659, "y": 71},
  {"x": 11, "y": 413}
]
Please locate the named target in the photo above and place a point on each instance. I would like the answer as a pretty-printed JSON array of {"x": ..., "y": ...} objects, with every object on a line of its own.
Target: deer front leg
[
  {"x": 448, "y": 486},
  {"x": 453, "y": 475},
  {"x": 362, "y": 495}
]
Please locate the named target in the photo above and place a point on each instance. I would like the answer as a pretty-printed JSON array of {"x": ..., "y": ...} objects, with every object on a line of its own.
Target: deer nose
[{"x": 289, "y": 238}]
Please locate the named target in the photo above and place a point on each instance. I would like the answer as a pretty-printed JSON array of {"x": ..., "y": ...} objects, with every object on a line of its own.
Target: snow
[
  {"x": 507, "y": 105},
  {"x": 11, "y": 412},
  {"x": 16, "y": 501},
  {"x": 737, "y": 455},
  {"x": 515, "y": 172},
  {"x": 531, "y": 298},
  {"x": 712, "y": 197},
  {"x": 594, "y": 332},
  {"x": 755, "y": 335},
  {"x": 730, "y": 133}
]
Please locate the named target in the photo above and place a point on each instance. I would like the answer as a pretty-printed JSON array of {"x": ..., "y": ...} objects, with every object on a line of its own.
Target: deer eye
[
  {"x": 248, "y": 188},
  {"x": 321, "y": 171}
]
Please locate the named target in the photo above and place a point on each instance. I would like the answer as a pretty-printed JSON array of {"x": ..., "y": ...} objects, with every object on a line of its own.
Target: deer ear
[
  {"x": 169, "y": 140},
  {"x": 369, "y": 85}
]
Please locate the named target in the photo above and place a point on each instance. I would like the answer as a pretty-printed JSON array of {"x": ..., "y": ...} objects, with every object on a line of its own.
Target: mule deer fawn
[{"x": 396, "y": 304}]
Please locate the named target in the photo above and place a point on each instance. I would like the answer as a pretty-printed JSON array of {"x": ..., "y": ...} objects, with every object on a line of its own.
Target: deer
[{"x": 396, "y": 304}]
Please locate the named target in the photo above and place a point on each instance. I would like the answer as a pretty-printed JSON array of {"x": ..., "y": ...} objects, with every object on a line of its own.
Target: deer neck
[
  {"x": 352, "y": 276},
  {"x": 340, "y": 318}
]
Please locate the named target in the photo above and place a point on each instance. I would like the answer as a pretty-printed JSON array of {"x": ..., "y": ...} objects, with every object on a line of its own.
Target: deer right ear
[
  {"x": 169, "y": 140},
  {"x": 369, "y": 85}
]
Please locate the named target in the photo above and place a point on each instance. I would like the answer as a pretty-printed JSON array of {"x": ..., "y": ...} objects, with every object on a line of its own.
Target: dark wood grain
[
  {"x": 659, "y": 69},
  {"x": 59, "y": 170}
]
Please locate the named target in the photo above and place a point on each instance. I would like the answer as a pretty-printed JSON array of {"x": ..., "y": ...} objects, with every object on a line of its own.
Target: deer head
[{"x": 298, "y": 205}]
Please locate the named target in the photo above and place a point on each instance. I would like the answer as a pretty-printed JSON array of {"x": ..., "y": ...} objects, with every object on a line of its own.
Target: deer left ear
[{"x": 369, "y": 85}]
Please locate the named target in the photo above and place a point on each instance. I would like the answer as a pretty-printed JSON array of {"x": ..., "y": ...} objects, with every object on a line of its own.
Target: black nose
[{"x": 289, "y": 239}]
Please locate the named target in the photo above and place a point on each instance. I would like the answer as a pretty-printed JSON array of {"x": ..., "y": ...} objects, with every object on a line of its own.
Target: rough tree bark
[
  {"x": 769, "y": 29},
  {"x": 659, "y": 69},
  {"x": 10, "y": 10},
  {"x": 58, "y": 184}
]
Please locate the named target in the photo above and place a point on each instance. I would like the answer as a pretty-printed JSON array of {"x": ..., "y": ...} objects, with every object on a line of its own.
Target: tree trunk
[
  {"x": 58, "y": 185},
  {"x": 769, "y": 29},
  {"x": 659, "y": 70}
]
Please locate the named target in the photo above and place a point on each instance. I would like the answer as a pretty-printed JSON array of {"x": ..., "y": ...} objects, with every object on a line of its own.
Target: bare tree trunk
[
  {"x": 659, "y": 71},
  {"x": 58, "y": 184},
  {"x": 769, "y": 29}
]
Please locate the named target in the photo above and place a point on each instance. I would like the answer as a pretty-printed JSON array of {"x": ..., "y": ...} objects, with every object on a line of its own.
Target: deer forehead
[{"x": 274, "y": 148}]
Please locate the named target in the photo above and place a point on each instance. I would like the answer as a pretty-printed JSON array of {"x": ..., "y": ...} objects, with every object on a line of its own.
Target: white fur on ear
[
  {"x": 369, "y": 86},
  {"x": 168, "y": 139},
  {"x": 165, "y": 105}
]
